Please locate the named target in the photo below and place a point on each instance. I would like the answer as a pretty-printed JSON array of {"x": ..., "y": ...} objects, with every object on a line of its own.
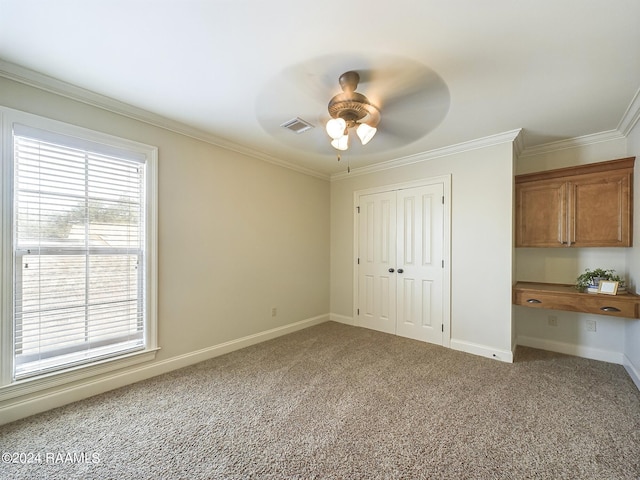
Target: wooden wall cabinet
[{"x": 584, "y": 206}]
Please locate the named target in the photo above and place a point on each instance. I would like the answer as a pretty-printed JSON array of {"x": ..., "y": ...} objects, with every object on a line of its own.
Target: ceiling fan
[
  {"x": 351, "y": 109},
  {"x": 386, "y": 100}
]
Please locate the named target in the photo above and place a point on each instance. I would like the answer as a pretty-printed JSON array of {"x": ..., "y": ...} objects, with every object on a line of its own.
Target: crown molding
[
  {"x": 484, "y": 142},
  {"x": 631, "y": 116},
  {"x": 627, "y": 122},
  {"x": 38, "y": 80},
  {"x": 518, "y": 144},
  {"x": 574, "y": 142}
]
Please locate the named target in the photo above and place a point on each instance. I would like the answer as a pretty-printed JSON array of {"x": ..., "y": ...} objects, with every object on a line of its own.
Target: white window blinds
[{"x": 78, "y": 251}]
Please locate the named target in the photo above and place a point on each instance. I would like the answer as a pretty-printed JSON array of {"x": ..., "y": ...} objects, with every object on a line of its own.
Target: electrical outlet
[
  {"x": 274, "y": 311},
  {"x": 591, "y": 325},
  {"x": 552, "y": 320}
]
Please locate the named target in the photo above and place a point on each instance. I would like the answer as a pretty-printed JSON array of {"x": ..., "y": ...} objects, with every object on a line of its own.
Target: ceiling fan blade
[
  {"x": 417, "y": 109},
  {"x": 401, "y": 132},
  {"x": 421, "y": 86},
  {"x": 318, "y": 78}
]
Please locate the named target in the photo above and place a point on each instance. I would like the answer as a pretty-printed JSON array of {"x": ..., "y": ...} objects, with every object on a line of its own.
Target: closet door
[
  {"x": 400, "y": 269},
  {"x": 420, "y": 269},
  {"x": 377, "y": 262}
]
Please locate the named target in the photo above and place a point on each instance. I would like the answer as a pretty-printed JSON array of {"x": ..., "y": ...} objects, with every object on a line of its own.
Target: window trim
[{"x": 8, "y": 387}]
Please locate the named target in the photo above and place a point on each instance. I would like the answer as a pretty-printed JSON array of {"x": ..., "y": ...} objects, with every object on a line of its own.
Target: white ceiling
[{"x": 442, "y": 72}]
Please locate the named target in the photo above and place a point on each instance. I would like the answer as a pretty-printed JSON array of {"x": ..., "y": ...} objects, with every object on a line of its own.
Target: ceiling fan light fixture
[
  {"x": 351, "y": 109},
  {"x": 341, "y": 143},
  {"x": 365, "y": 132},
  {"x": 336, "y": 127}
]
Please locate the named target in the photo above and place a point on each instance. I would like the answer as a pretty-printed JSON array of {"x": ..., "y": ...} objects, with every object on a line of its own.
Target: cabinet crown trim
[{"x": 609, "y": 165}]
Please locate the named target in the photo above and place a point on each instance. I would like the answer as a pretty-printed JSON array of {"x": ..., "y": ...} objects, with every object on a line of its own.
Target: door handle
[
  {"x": 610, "y": 309},
  {"x": 391, "y": 270},
  {"x": 400, "y": 270}
]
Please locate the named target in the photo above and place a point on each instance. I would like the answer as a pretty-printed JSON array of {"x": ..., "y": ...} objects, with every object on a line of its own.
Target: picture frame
[{"x": 608, "y": 287}]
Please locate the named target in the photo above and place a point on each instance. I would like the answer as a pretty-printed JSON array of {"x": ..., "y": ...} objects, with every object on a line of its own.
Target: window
[{"x": 82, "y": 247}]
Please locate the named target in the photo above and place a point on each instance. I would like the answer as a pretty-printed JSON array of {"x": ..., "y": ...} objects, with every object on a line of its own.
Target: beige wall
[
  {"x": 237, "y": 236},
  {"x": 481, "y": 242},
  {"x": 632, "y": 328}
]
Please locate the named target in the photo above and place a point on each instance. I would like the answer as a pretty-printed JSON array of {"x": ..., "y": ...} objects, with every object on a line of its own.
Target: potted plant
[{"x": 590, "y": 279}]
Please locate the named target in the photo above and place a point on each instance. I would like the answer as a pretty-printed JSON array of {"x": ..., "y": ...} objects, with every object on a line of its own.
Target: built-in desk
[{"x": 565, "y": 297}]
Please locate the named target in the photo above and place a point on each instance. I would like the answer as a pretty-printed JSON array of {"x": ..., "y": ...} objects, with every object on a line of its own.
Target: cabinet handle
[
  {"x": 533, "y": 300},
  {"x": 610, "y": 309}
]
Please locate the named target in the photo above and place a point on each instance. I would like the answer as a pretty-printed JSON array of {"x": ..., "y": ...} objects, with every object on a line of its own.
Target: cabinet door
[
  {"x": 600, "y": 210},
  {"x": 541, "y": 214}
]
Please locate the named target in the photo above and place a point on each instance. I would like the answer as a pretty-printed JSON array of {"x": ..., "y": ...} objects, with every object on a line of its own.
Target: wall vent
[{"x": 297, "y": 125}]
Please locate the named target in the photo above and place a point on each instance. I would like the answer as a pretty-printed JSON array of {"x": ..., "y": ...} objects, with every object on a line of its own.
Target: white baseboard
[
  {"x": 572, "y": 349},
  {"x": 632, "y": 370},
  {"x": 27, "y": 405},
  {"x": 482, "y": 350},
  {"x": 342, "y": 319}
]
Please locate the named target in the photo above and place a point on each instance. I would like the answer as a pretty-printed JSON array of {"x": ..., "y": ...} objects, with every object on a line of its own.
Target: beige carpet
[{"x": 338, "y": 402}]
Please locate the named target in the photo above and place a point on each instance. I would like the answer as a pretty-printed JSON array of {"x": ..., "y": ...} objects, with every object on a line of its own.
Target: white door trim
[{"x": 445, "y": 180}]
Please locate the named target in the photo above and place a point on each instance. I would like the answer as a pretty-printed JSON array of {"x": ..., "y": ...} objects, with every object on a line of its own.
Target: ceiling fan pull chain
[{"x": 348, "y": 163}]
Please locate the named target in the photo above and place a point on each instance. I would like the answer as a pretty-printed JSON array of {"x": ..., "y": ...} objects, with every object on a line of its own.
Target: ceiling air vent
[{"x": 297, "y": 125}]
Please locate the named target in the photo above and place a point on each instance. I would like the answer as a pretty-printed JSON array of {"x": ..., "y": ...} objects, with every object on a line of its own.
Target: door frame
[{"x": 445, "y": 180}]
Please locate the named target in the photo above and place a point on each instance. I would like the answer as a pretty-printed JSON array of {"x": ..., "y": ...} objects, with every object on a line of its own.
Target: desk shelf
[{"x": 565, "y": 297}]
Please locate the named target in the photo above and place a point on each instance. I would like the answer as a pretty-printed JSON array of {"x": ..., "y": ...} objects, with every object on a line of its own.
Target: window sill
[{"x": 55, "y": 379}]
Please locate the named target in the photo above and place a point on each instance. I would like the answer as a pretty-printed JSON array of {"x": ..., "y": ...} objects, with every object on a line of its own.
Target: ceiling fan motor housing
[{"x": 351, "y": 106}]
